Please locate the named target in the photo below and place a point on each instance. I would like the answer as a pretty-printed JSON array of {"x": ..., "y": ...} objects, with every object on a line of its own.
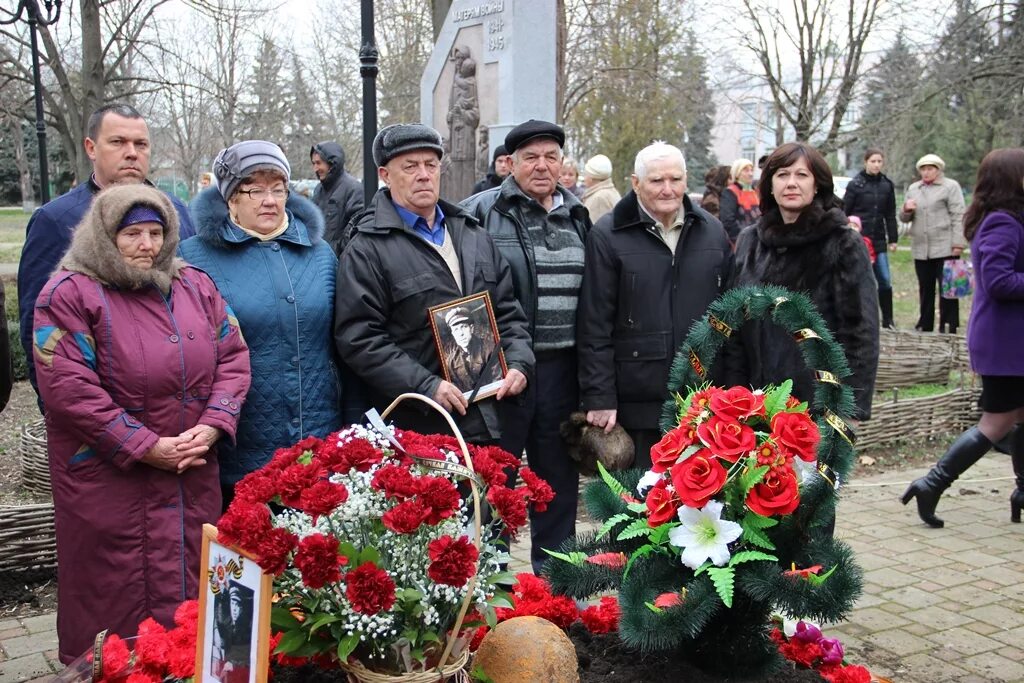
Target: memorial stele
[{"x": 493, "y": 67}]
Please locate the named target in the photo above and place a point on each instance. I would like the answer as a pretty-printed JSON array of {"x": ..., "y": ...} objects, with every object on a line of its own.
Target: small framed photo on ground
[
  {"x": 468, "y": 344},
  {"x": 234, "y": 615}
]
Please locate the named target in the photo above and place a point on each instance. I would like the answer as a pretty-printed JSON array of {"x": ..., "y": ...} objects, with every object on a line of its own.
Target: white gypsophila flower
[
  {"x": 704, "y": 535},
  {"x": 649, "y": 479}
]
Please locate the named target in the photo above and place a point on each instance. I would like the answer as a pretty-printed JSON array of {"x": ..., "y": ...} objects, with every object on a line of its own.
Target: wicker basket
[
  {"x": 27, "y": 537},
  {"x": 35, "y": 466},
  {"x": 915, "y": 419},
  {"x": 907, "y": 358}
]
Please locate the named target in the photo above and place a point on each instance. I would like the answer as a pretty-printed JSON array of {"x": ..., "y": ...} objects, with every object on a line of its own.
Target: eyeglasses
[{"x": 260, "y": 193}]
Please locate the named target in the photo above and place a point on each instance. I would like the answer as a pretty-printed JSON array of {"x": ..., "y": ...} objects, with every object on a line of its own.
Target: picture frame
[
  {"x": 466, "y": 336},
  {"x": 235, "y": 595}
]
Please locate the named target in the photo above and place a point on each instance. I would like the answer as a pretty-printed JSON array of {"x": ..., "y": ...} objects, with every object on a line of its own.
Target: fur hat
[
  {"x": 531, "y": 130},
  {"x": 239, "y": 161},
  {"x": 599, "y": 167},
  {"x": 589, "y": 445},
  {"x": 931, "y": 160},
  {"x": 737, "y": 166},
  {"x": 405, "y": 137},
  {"x": 94, "y": 251}
]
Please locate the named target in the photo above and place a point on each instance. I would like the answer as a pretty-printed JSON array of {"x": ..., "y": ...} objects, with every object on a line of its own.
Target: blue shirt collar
[{"x": 418, "y": 224}]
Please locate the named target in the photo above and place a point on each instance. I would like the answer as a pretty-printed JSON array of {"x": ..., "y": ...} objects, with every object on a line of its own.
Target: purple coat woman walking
[{"x": 142, "y": 368}]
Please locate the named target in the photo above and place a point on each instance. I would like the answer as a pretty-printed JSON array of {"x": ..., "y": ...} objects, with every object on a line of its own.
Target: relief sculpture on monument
[{"x": 463, "y": 118}]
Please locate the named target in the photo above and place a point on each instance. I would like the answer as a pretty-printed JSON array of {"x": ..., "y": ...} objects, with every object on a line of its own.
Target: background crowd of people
[{"x": 174, "y": 350}]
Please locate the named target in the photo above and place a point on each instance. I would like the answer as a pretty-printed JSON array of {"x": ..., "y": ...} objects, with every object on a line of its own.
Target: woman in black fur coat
[{"x": 802, "y": 242}]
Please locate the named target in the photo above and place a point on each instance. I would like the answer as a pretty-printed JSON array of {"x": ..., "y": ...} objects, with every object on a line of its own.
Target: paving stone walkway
[{"x": 939, "y": 605}]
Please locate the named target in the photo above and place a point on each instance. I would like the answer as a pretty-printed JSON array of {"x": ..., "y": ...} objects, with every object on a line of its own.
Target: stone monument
[{"x": 493, "y": 67}]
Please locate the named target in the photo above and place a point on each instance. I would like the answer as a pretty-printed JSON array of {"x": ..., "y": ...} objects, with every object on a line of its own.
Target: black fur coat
[{"x": 820, "y": 256}]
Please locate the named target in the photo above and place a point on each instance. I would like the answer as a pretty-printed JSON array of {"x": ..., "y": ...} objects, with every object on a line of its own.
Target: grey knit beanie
[
  {"x": 242, "y": 159},
  {"x": 404, "y": 137}
]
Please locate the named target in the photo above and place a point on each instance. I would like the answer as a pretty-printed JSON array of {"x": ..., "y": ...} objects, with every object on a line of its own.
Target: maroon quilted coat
[{"x": 118, "y": 368}]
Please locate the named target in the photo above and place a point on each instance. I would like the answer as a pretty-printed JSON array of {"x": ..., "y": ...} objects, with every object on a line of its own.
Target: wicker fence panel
[
  {"x": 907, "y": 358},
  {"x": 35, "y": 468},
  {"x": 916, "y": 419},
  {"x": 27, "y": 537}
]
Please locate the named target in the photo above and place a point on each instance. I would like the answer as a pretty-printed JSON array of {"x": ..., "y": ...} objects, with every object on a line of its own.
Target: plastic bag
[{"x": 957, "y": 279}]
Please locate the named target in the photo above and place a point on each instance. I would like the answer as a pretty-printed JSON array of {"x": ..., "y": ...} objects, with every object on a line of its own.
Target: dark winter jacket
[
  {"x": 490, "y": 180},
  {"x": 501, "y": 211},
  {"x": 387, "y": 279},
  {"x": 737, "y": 209},
  {"x": 823, "y": 258},
  {"x": 6, "y": 367},
  {"x": 638, "y": 302},
  {"x": 47, "y": 237},
  {"x": 282, "y": 293},
  {"x": 339, "y": 195},
  {"x": 872, "y": 198}
]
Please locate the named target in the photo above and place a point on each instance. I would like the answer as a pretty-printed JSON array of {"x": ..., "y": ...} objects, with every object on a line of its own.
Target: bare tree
[{"x": 828, "y": 38}]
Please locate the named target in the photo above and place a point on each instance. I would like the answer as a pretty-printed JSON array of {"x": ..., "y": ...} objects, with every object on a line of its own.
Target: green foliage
[{"x": 723, "y": 578}]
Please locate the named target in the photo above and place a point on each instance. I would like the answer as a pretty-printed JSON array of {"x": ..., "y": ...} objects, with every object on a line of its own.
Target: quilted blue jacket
[{"x": 282, "y": 292}]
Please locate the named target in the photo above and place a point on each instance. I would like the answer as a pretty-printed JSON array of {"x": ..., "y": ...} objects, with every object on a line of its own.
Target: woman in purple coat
[
  {"x": 994, "y": 224},
  {"x": 142, "y": 368}
]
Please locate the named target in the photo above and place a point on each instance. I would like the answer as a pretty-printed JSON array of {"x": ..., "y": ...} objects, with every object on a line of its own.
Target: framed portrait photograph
[
  {"x": 234, "y": 615},
  {"x": 468, "y": 345}
]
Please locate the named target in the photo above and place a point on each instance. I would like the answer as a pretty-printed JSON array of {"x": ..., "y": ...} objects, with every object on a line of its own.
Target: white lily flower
[{"x": 704, "y": 535}]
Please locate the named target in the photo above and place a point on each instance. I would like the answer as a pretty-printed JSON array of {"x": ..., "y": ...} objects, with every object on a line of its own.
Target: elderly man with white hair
[
  {"x": 599, "y": 195},
  {"x": 652, "y": 267}
]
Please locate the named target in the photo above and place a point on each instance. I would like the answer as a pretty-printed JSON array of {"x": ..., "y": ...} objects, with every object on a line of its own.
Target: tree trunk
[
  {"x": 21, "y": 163},
  {"x": 92, "y": 79}
]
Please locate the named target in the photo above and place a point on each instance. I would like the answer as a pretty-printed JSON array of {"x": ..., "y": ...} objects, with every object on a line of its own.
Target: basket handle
[{"x": 477, "y": 526}]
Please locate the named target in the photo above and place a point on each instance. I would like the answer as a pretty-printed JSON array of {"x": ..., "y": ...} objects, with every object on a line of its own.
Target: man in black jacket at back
[
  {"x": 339, "y": 195},
  {"x": 652, "y": 267}
]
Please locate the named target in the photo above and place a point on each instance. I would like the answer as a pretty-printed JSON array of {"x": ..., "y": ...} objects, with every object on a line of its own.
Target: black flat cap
[
  {"x": 531, "y": 130},
  {"x": 405, "y": 137}
]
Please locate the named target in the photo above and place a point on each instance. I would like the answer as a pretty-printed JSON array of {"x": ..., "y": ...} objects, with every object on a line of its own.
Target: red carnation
[
  {"x": 439, "y": 496},
  {"x": 666, "y": 452},
  {"x": 318, "y": 560},
  {"x": 295, "y": 479},
  {"x": 737, "y": 403},
  {"x": 560, "y": 610},
  {"x": 777, "y": 494},
  {"x": 726, "y": 438},
  {"x": 804, "y": 654},
  {"x": 510, "y": 506},
  {"x": 406, "y": 517},
  {"x": 152, "y": 645},
  {"x": 837, "y": 673},
  {"x": 602, "y": 618},
  {"x": 698, "y": 478},
  {"x": 244, "y": 524},
  {"x": 273, "y": 550},
  {"x": 452, "y": 561},
  {"x": 354, "y": 454},
  {"x": 541, "y": 492},
  {"x": 394, "y": 481},
  {"x": 796, "y": 433},
  {"x": 369, "y": 589},
  {"x": 187, "y": 615},
  {"x": 115, "y": 657},
  {"x": 256, "y": 487},
  {"x": 661, "y": 504},
  {"x": 493, "y": 464},
  {"x": 322, "y": 498},
  {"x": 531, "y": 587}
]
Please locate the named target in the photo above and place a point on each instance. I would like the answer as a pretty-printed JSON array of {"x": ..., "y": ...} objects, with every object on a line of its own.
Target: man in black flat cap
[
  {"x": 541, "y": 228},
  {"x": 410, "y": 251}
]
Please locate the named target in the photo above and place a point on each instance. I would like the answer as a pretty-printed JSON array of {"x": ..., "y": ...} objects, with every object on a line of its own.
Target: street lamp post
[
  {"x": 368, "y": 70},
  {"x": 30, "y": 12}
]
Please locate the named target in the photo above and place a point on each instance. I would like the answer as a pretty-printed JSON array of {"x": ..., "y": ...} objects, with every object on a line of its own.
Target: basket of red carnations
[{"x": 378, "y": 549}]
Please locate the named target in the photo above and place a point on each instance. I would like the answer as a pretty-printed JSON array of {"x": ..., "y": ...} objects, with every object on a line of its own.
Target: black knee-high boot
[
  {"x": 964, "y": 452},
  {"x": 1017, "y": 455}
]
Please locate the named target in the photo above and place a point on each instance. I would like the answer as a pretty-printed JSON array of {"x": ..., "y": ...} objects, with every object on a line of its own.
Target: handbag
[{"x": 957, "y": 278}]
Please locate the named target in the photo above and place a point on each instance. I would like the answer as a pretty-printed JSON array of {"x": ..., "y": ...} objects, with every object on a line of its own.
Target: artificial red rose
[
  {"x": 661, "y": 504},
  {"x": 737, "y": 404},
  {"x": 610, "y": 560},
  {"x": 440, "y": 497},
  {"x": 698, "y": 478},
  {"x": 796, "y": 433},
  {"x": 727, "y": 439},
  {"x": 510, "y": 506},
  {"x": 406, "y": 517},
  {"x": 369, "y": 589},
  {"x": 318, "y": 561},
  {"x": 322, "y": 498},
  {"x": 666, "y": 452},
  {"x": 666, "y": 600},
  {"x": 452, "y": 561},
  {"x": 244, "y": 524},
  {"x": 777, "y": 494},
  {"x": 394, "y": 481},
  {"x": 603, "y": 617},
  {"x": 541, "y": 492},
  {"x": 273, "y": 549},
  {"x": 295, "y": 479},
  {"x": 837, "y": 673}
]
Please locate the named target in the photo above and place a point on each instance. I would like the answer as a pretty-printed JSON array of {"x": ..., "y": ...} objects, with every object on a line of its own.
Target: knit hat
[
  {"x": 242, "y": 159},
  {"x": 405, "y": 137},
  {"x": 499, "y": 151},
  {"x": 532, "y": 129},
  {"x": 737, "y": 166},
  {"x": 599, "y": 166},
  {"x": 931, "y": 160},
  {"x": 855, "y": 220},
  {"x": 141, "y": 213}
]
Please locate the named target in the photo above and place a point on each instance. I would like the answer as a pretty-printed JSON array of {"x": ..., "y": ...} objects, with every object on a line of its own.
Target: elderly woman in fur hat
[
  {"x": 264, "y": 248},
  {"x": 143, "y": 371}
]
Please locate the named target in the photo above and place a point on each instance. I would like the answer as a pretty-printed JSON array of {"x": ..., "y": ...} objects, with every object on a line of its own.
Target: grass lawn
[
  {"x": 904, "y": 288},
  {"x": 12, "y": 233}
]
